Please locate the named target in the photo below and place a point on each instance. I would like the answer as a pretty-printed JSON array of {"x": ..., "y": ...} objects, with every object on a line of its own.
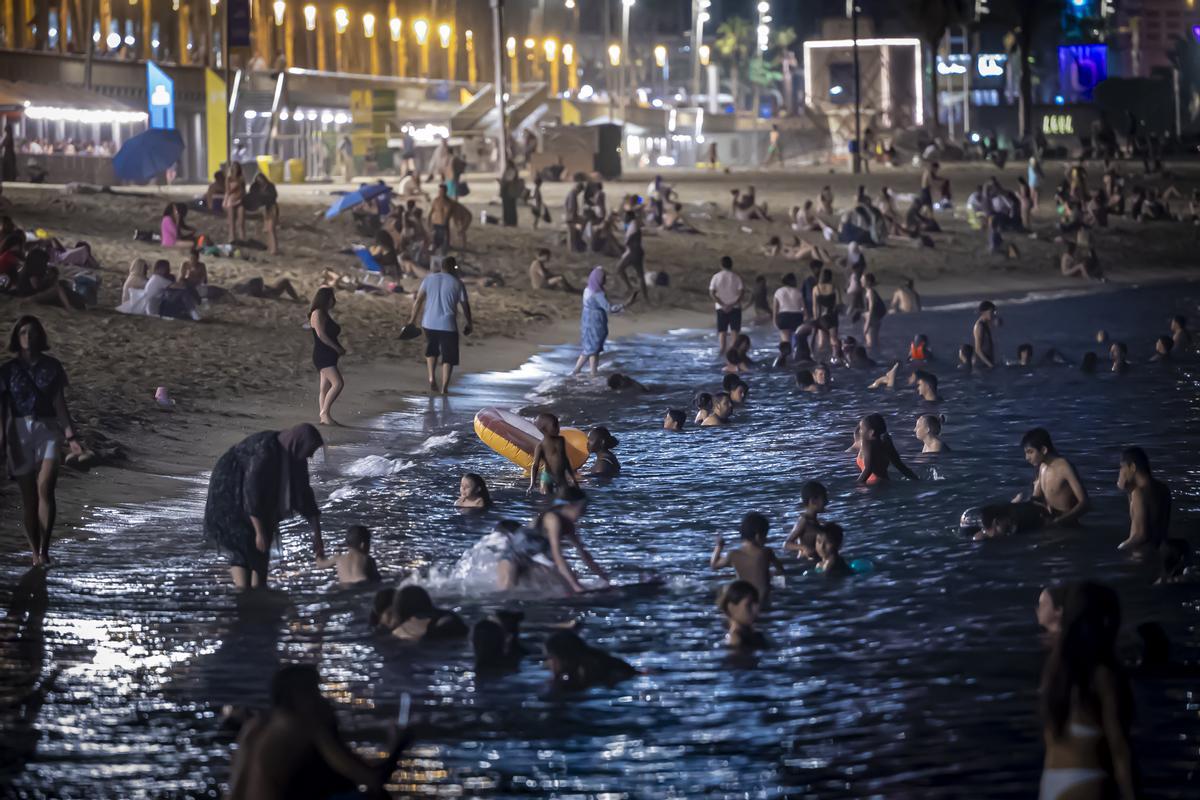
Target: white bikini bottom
[{"x": 1057, "y": 781}]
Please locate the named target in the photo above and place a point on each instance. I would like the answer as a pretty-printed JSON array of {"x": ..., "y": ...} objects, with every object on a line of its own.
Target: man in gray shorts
[{"x": 439, "y": 297}]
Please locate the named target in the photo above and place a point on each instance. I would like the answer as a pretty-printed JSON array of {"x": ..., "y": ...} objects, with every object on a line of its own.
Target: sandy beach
[{"x": 247, "y": 366}]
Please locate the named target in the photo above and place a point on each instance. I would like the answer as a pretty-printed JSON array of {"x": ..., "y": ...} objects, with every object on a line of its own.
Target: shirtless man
[
  {"x": 1149, "y": 500},
  {"x": 295, "y": 750},
  {"x": 356, "y": 565},
  {"x": 1180, "y": 333},
  {"x": 905, "y": 299},
  {"x": 1057, "y": 483},
  {"x": 985, "y": 347}
]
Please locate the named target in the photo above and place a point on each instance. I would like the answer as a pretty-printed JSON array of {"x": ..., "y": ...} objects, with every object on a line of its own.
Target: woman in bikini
[
  {"x": 876, "y": 452},
  {"x": 1086, "y": 702},
  {"x": 601, "y": 442}
]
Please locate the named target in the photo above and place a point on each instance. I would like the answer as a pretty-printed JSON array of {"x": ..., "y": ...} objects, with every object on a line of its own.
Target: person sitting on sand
[
  {"x": 356, "y": 564},
  {"x": 876, "y": 452},
  {"x": 1118, "y": 353},
  {"x": 418, "y": 619},
  {"x": 928, "y": 431},
  {"x": 674, "y": 220},
  {"x": 542, "y": 278},
  {"x": 1057, "y": 485},
  {"x": 139, "y": 271},
  {"x": 905, "y": 299},
  {"x": 410, "y": 186},
  {"x": 753, "y": 561},
  {"x": 296, "y": 747},
  {"x": 722, "y": 409},
  {"x": 1149, "y": 501},
  {"x": 600, "y": 443},
  {"x": 745, "y": 206},
  {"x": 1180, "y": 334},
  {"x": 826, "y": 199},
  {"x": 675, "y": 419},
  {"x": 829, "y": 552},
  {"x": 740, "y": 604},
  {"x": 805, "y": 219},
  {"x": 551, "y": 468},
  {"x": 40, "y": 283},
  {"x": 576, "y": 666},
  {"x": 473, "y": 493},
  {"x": 803, "y": 539},
  {"x": 174, "y": 230},
  {"x": 1074, "y": 265}
]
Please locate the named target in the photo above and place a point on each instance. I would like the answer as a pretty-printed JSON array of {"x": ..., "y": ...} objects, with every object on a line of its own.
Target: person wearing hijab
[
  {"x": 255, "y": 485},
  {"x": 593, "y": 322}
]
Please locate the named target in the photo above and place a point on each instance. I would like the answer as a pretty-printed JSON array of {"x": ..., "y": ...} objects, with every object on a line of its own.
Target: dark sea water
[{"x": 916, "y": 679}]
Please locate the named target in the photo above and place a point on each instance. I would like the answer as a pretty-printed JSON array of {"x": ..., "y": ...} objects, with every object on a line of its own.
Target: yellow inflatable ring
[{"x": 515, "y": 437}]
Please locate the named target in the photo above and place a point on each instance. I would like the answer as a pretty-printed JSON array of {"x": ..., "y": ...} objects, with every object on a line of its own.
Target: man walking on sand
[
  {"x": 728, "y": 291},
  {"x": 439, "y": 297}
]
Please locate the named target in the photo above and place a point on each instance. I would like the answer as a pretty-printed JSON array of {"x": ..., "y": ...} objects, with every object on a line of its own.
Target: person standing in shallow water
[
  {"x": 593, "y": 320},
  {"x": 34, "y": 419},
  {"x": 255, "y": 485},
  {"x": 1057, "y": 484}
]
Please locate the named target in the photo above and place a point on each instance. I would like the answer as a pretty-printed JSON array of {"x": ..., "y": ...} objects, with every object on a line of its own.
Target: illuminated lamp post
[{"x": 421, "y": 31}]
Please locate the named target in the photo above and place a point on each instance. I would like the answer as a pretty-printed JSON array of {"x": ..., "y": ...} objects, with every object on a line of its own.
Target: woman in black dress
[
  {"x": 257, "y": 484},
  {"x": 326, "y": 351}
]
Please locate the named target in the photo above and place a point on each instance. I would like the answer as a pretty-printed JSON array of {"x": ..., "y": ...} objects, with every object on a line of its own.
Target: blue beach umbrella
[
  {"x": 365, "y": 194},
  {"x": 148, "y": 154}
]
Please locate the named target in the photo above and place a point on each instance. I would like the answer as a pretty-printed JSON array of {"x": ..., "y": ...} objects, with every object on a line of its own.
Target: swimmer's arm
[
  {"x": 586, "y": 556},
  {"x": 1082, "y": 502},
  {"x": 1114, "y": 734},
  {"x": 718, "y": 560},
  {"x": 792, "y": 544}
]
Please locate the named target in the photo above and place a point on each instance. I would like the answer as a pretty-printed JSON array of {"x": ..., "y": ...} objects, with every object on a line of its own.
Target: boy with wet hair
[
  {"x": 803, "y": 539},
  {"x": 1149, "y": 501},
  {"x": 551, "y": 467},
  {"x": 829, "y": 548},
  {"x": 674, "y": 420},
  {"x": 752, "y": 561},
  {"x": 356, "y": 565},
  {"x": 740, "y": 603},
  {"x": 983, "y": 335},
  {"x": 927, "y": 386},
  {"x": 1057, "y": 485}
]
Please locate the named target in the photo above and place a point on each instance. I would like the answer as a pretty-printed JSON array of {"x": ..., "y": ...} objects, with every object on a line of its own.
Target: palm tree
[
  {"x": 933, "y": 18},
  {"x": 735, "y": 41}
]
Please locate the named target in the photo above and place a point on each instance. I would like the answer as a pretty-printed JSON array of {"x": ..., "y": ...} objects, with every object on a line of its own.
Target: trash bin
[
  {"x": 271, "y": 167},
  {"x": 294, "y": 170}
]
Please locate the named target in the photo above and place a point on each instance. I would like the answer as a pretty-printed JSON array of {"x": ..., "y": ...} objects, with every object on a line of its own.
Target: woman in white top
[
  {"x": 136, "y": 281},
  {"x": 150, "y": 298},
  {"x": 788, "y": 309}
]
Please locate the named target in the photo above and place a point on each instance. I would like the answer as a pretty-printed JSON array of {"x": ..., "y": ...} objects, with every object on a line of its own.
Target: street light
[
  {"x": 700, "y": 15},
  {"x": 550, "y": 46},
  {"x": 626, "y": 5},
  {"x": 568, "y": 56},
  {"x": 705, "y": 54},
  {"x": 310, "y": 17},
  {"x": 396, "y": 26},
  {"x": 472, "y": 67},
  {"x": 421, "y": 31},
  {"x": 614, "y": 55},
  {"x": 368, "y": 21},
  {"x": 444, "y": 35},
  {"x": 514, "y": 69},
  {"x": 280, "y": 8},
  {"x": 341, "y": 20}
]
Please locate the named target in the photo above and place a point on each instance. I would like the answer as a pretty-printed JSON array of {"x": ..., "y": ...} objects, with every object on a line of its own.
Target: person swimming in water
[
  {"x": 473, "y": 492},
  {"x": 1118, "y": 354},
  {"x": 983, "y": 334},
  {"x": 928, "y": 431},
  {"x": 738, "y": 389},
  {"x": 1180, "y": 334},
  {"x": 704, "y": 407},
  {"x": 803, "y": 539},
  {"x": 1149, "y": 501},
  {"x": 829, "y": 552},
  {"x": 623, "y": 383},
  {"x": 575, "y": 665},
  {"x": 675, "y": 419},
  {"x": 551, "y": 467},
  {"x": 966, "y": 357},
  {"x": 356, "y": 564},
  {"x": 876, "y": 452},
  {"x": 416, "y": 618},
  {"x": 919, "y": 350},
  {"x": 722, "y": 409},
  {"x": 1162, "y": 348},
  {"x": 601, "y": 443},
  {"x": 1057, "y": 483},
  {"x": 539, "y": 550},
  {"x": 740, "y": 605},
  {"x": 753, "y": 561},
  {"x": 997, "y": 520},
  {"x": 927, "y": 386}
]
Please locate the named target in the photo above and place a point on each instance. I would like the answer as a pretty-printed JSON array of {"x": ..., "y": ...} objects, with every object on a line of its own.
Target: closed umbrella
[
  {"x": 148, "y": 154},
  {"x": 365, "y": 194}
]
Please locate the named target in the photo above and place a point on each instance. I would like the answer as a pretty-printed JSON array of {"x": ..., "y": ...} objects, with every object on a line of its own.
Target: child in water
[
  {"x": 739, "y": 603},
  {"x": 919, "y": 350},
  {"x": 829, "y": 547},
  {"x": 738, "y": 389},
  {"x": 356, "y": 564},
  {"x": 803, "y": 539},
  {"x": 753, "y": 560},
  {"x": 675, "y": 419},
  {"x": 601, "y": 443},
  {"x": 928, "y": 431},
  {"x": 473, "y": 492},
  {"x": 704, "y": 407},
  {"x": 551, "y": 467}
]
